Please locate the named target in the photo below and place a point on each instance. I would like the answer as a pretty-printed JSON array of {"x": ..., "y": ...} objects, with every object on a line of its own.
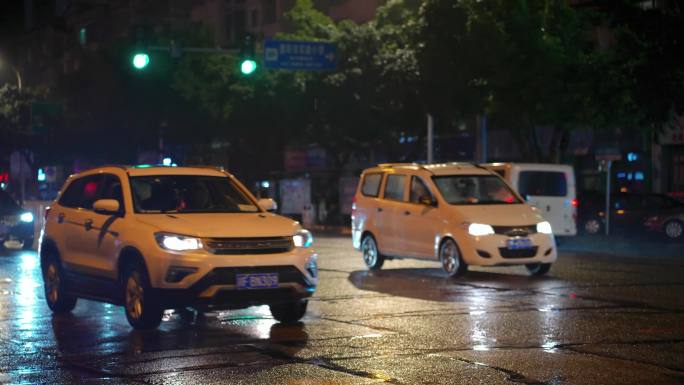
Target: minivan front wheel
[
  {"x": 371, "y": 255},
  {"x": 142, "y": 309},
  {"x": 451, "y": 259},
  {"x": 538, "y": 269}
]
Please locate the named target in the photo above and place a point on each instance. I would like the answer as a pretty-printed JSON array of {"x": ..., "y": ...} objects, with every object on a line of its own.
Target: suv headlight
[
  {"x": 177, "y": 242},
  {"x": 303, "y": 238},
  {"x": 479, "y": 229},
  {"x": 544, "y": 228},
  {"x": 26, "y": 217}
]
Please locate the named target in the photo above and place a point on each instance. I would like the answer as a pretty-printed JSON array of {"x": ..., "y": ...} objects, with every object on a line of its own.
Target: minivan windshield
[
  {"x": 188, "y": 194},
  {"x": 474, "y": 190}
]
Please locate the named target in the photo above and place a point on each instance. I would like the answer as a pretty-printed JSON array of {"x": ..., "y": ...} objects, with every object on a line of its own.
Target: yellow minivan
[{"x": 457, "y": 213}]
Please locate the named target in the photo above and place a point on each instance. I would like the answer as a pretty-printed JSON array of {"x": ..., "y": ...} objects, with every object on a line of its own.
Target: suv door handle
[
  {"x": 379, "y": 209},
  {"x": 88, "y": 224},
  {"x": 60, "y": 218},
  {"x": 407, "y": 213}
]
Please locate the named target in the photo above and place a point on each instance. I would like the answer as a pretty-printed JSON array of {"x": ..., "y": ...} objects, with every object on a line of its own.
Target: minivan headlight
[
  {"x": 479, "y": 229},
  {"x": 175, "y": 242},
  {"x": 26, "y": 217},
  {"x": 303, "y": 238},
  {"x": 544, "y": 228}
]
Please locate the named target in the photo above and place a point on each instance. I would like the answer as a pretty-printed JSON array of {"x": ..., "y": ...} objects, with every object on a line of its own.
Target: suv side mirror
[
  {"x": 427, "y": 200},
  {"x": 268, "y": 204},
  {"x": 106, "y": 206}
]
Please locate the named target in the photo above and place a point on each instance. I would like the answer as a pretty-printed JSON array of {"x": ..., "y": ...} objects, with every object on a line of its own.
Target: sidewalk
[{"x": 624, "y": 245}]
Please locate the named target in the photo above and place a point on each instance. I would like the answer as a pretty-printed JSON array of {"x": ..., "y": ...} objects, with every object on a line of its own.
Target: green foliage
[
  {"x": 15, "y": 110},
  {"x": 524, "y": 63}
]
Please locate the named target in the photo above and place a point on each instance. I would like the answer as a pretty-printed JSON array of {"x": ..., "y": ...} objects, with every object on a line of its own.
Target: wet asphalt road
[{"x": 596, "y": 319}]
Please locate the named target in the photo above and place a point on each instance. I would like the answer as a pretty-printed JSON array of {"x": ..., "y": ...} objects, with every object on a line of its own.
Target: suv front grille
[
  {"x": 515, "y": 231},
  {"x": 232, "y": 246}
]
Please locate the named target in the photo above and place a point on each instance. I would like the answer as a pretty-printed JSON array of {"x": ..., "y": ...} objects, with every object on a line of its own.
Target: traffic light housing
[{"x": 248, "y": 64}]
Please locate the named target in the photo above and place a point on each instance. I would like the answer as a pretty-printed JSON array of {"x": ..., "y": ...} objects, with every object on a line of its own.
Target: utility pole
[
  {"x": 430, "y": 138},
  {"x": 481, "y": 139}
]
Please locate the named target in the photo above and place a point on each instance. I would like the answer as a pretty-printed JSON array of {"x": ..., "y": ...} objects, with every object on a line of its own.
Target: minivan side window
[
  {"x": 418, "y": 190},
  {"x": 81, "y": 192},
  {"x": 394, "y": 189},
  {"x": 371, "y": 185},
  {"x": 542, "y": 183}
]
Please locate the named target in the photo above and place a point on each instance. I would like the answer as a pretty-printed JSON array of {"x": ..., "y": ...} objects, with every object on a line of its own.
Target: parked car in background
[
  {"x": 631, "y": 212},
  {"x": 670, "y": 224},
  {"x": 16, "y": 224},
  {"x": 457, "y": 213},
  {"x": 548, "y": 187}
]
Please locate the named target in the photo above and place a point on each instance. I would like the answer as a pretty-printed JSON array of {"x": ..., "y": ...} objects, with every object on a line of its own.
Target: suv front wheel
[
  {"x": 142, "y": 309},
  {"x": 56, "y": 294},
  {"x": 290, "y": 312}
]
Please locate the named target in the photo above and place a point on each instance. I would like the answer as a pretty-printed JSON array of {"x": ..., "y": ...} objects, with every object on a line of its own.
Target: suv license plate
[
  {"x": 519, "y": 243},
  {"x": 256, "y": 281}
]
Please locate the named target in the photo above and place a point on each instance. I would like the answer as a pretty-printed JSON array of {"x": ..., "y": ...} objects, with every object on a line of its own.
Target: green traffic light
[
  {"x": 248, "y": 66},
  {"x": 141, "y": 60}
]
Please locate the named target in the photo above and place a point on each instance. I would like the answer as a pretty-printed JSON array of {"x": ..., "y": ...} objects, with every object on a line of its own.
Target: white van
[{"x": 548, "y": 187}]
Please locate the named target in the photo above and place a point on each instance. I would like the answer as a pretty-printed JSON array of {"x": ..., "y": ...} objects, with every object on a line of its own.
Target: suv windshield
[
  {"x": 474, "y": 190},
  {"x": 188, "y": 194}
]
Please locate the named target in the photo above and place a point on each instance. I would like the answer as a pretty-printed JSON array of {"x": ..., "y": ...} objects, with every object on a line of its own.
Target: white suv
[
  {"x": 460, "y": 214},
  {"x": 155, "y": 238}
]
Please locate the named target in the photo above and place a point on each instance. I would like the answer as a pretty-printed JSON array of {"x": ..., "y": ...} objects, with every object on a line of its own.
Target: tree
[
  {"x": 523, "y": 62},
  {"x": 643, "y": 47},
  {"x": 15, "y": 117}
]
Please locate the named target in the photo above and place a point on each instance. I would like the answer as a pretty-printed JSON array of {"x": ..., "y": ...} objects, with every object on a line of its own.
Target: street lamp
[{"x": 13, "y": 68}]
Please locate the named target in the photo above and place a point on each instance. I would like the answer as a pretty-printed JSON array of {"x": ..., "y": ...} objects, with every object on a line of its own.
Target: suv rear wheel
[
  {"x": 371, "y": 255},
  {"x": 289, "y": 312},
  {"x": 450, "y": 257},
  {"x": 56, "y": 294},
  {"x": 142, "y": 309}
]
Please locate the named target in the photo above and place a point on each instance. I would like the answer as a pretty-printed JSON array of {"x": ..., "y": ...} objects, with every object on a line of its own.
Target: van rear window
[
  {"x": 542, "y": 183},
  {"x": 371, "y": 185}
]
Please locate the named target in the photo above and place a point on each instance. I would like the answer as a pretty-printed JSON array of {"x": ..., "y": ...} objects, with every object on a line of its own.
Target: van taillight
[
  {"x": 47, "y": 212},
  {"x": 575, "y": 203}
]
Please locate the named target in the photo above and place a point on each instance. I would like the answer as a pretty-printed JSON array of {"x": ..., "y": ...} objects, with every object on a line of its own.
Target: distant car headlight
[
  {"x": 26, "y": 217},
  {"x": 479, "y": 229},
  {"x": 303, "y": 238},
  {"x": 544, "y": 228},
  {"x": 176, "y": 242}
]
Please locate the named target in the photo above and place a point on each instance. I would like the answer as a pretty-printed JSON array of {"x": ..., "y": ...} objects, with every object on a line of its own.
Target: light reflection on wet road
[{"x": 594, "y": 320}]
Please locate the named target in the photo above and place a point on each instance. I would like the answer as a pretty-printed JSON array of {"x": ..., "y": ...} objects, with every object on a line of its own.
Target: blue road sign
[{"x": 300, "y": 55}]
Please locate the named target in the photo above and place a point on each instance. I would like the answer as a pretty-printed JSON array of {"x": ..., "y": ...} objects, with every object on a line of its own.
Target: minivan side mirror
[
  {"x": 427, "y": 200},
  {"x": 268, "y": 204},
  {"x": 106, "y": 206}
]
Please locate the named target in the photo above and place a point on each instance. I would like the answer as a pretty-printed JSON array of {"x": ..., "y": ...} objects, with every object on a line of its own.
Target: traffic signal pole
[{"x": 194, "y": 49}]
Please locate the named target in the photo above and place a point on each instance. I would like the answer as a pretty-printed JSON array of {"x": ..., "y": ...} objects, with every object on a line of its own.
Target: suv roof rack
[{"x": 121, "y": 166}]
